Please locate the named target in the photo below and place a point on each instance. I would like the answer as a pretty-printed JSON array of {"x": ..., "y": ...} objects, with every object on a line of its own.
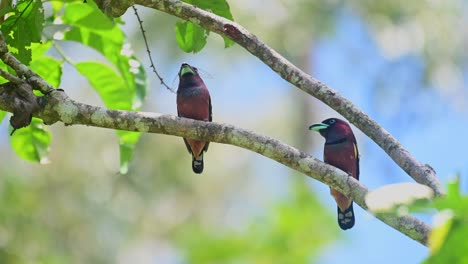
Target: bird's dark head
[
  {"x": 187, "y": 71},
  {"x": 189, "y": 80},
  {"x": 333, "y": 129}
]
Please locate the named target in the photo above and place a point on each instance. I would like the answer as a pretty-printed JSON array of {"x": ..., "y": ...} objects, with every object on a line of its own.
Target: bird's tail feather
[
  {"x": 197, "y": 163},
  {"x": 346, "y": 218}
]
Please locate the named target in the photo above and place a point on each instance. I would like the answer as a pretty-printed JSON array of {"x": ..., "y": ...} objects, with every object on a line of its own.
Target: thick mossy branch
[
  {"x": 421, "y": 173},
  {"x": 57, "y": 106},
  {"x": 22, "y": 103}
]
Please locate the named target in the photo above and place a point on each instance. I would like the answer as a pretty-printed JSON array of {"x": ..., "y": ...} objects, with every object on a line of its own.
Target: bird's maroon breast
[
  {"x": 342, "y": 156},
  {"x": 195, "y": 107}
]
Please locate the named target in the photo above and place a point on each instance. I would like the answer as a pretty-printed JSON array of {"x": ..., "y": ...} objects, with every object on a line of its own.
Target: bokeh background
[{"x": 403, "y": 62}]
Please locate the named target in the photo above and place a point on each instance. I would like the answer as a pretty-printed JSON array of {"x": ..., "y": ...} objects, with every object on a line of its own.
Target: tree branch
[
  {"x": 57, "y": 106},
  {"x": 21, "y": 69},
  {"x": 421, "y": 173}
]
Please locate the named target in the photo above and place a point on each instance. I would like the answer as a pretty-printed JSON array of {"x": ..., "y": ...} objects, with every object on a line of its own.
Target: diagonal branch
[
  {"x": 57, "y": 106},
  {"x": 21, "y": 69},
  {"x": 421, "y": 173}
]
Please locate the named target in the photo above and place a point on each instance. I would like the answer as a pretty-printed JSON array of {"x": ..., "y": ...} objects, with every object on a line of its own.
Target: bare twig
[
  {"x": 143, "y": 32},
  {"x": 10, "y": 77},
  {"x": 62, "y": 53},
  {"x": 21, "y": 69},
  {"x": 59, "y": 107},
  {"x": 421, "y": 173}
]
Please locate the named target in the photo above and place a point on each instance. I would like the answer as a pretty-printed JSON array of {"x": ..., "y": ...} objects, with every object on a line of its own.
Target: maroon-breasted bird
[
  {"x": 340, "y": 151},
  {"x": 193, "y": 101}
]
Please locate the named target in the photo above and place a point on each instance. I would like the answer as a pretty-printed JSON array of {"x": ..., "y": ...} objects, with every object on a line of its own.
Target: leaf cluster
[{"x": 120, "y": 81}]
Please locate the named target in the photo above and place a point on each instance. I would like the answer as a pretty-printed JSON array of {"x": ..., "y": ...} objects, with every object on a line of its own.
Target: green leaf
[
  {"x": 23, "y": 28},
  {"x": 49, "y": 69},
  {"x": 4, "y": 67},
  {"x": 108, "y": 39},
  {"x": 127, "y": 142},
  {"x": 228, "y": 42},
  {"x": 87, "y": 16},
  {"x": 123, "y": 89},
  {"x": 218, "y": 7},
  {"x": 107, "y": 83},
  {"x": 32, "y": 142},
  {"x": 39, "y": 49},
  {"x": 190, "y": 37},
  {"x": 111, "y": 88},
  {"x": 447, "y": 240}
]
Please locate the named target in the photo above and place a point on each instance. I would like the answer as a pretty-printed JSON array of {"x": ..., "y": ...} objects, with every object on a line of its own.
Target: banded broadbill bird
[
  {"x": 340, "y": 151},
  {"x": 193, "y": 101}
]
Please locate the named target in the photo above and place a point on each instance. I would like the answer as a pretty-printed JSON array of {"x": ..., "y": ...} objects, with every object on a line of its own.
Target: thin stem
[
  {"x": 143, "y": 32},
  {"x": 62, "y": 53}
]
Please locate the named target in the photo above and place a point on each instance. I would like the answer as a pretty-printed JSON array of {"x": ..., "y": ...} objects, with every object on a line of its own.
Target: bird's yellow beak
[
  {"x": 318, "y": 127},
  {"x": 185, "y": 68}
]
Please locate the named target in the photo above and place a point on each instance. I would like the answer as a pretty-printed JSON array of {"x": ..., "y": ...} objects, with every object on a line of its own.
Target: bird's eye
[{"x": 332, "y": 121}]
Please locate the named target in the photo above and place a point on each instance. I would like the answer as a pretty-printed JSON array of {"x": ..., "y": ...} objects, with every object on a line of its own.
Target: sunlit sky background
[{"x": 431, "y": 124}]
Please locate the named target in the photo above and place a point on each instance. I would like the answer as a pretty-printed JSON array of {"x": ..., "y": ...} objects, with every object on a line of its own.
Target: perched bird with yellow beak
[
  {"x": 340, "y": 151},
  {"x": 194, "y": 101}
]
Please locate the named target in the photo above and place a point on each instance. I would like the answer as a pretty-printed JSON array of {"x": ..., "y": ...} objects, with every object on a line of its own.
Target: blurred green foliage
[
  {"x": 448, "y": 238},
  {"x": 121, "y": 86},
  {"x": 292, "y": 231}
]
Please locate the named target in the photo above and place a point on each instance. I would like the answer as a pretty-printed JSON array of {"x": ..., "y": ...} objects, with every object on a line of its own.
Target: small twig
[
  {"x": 10, "y": 77},
  {"x": 62, "y": 54},
  {"x": 21, "y": 69},
  {"x": 149, "y": 52}
]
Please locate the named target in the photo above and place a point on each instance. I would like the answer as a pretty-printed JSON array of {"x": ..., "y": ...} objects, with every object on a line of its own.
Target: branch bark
[
  {"x": 57, "y": 106},
  {"x": 421, "y": 173}
]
